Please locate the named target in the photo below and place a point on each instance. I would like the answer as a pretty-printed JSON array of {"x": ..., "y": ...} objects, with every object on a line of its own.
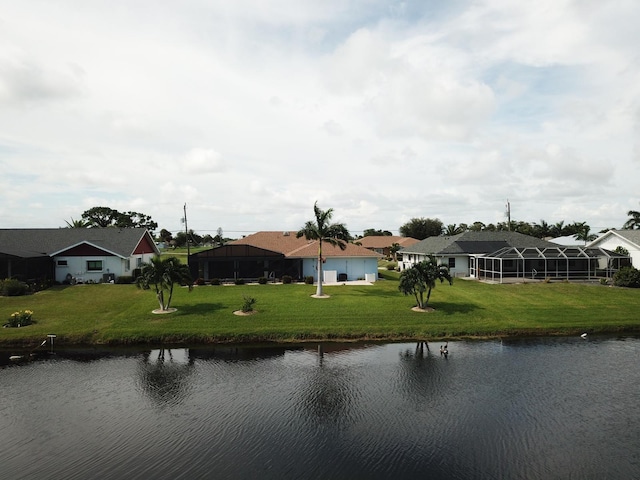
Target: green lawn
[{"x": 106, "y": 313}]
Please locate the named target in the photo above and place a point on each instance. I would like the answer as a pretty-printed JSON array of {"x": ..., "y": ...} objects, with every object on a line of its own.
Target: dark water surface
[{"x": 527, "y": 409}]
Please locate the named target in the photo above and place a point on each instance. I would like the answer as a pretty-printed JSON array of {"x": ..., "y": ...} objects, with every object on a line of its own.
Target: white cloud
[{"x": 250, "y": 111}]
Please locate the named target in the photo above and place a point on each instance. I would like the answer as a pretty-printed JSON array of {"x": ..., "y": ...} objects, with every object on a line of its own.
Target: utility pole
[
  {"x": 186, "y": 232},
  {"x": 508, "y": 215}
]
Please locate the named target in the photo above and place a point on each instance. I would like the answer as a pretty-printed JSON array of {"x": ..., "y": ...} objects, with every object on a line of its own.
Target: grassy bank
[{"x": 122, "y": 313}]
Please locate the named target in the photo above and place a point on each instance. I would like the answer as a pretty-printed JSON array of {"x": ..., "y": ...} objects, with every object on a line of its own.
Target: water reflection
[
  {"x": 327, "y": 391},
  {"x": 530, "y": 409},
  {"x": 164, "y": 375}
]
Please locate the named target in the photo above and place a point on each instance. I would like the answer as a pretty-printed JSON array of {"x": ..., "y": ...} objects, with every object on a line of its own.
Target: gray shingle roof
[
  {"x": 40, "y": 242},
  {"x": 475, "y": 243}
]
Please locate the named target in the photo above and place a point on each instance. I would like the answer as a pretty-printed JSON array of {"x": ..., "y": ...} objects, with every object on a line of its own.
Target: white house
[
  {"x": 74, "y": 254},
  {"x": 628, "y": 239}
]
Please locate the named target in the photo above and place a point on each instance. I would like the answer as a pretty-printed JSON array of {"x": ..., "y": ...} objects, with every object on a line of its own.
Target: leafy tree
[
  {"x": 422, "y": 278},
  {"x": 371, "y": 232},
  {"x": 321, "y": 231},
  {"x": 162, "y": 274},
  {"x": 165, "y": 236},
  {"x": 108, "y": 217},
  {"x": 421, "y": 228},
  {"x": 634, "y": 221},
  {"x": 477, "y": 227}
]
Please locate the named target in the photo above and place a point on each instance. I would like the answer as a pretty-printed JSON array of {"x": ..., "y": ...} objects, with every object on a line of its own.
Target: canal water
[{"x": 524, "y": 409}]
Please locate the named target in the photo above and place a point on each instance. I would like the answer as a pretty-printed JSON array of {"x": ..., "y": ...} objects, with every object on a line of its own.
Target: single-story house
[
  {"x": 499, "y": 255},
  {"x": 74, "y": 254},
  {"x": 275, "y": 254},
  {"x": 382, "y": 244},
  {"x": 628, "y": 239}
]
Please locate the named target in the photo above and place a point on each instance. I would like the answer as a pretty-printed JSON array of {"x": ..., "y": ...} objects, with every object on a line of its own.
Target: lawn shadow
[
  {"x": 449, "y": 308},
  {"x": 199, "y": 309}
]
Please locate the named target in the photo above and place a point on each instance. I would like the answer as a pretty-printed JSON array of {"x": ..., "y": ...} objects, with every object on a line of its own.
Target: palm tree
[
  {"x": 584, "y": 233},
  {"x": 163, "y": 273},
  {"x": 76, "y": 223},
  {"x": 422, "y": 278},
  {"x": 322, "y": 231},
  {"x": 634, "y": 221}
]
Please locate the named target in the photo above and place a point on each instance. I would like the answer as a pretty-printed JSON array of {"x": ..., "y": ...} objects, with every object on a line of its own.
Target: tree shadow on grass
[
  {"x": 199, "y": 309},
  {"x": 454, "y": 308}
]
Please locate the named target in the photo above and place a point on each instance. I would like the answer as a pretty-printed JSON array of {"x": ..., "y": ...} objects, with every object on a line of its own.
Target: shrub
[
  {"x": 262, "y": 280},
  {"x": 215, "y": 281},
  {"x": 308, "y": 280},
  {"x": 239, "y": 281},
  {"x": 287, "y": 279},
  {"x": 247, "y": 305},
  {"x": 627, "y": 277},
  {"x": 20, "y": 319},
  {"x": 124, "y": 279},
  {"x": 11, "y": 287},
  {"x": 199, "y": 281}
]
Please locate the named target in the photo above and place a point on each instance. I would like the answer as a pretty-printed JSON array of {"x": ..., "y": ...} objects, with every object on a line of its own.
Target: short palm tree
[
  {"x": 422, "y": 278},
  {"x": 321, "y": 231},
  {"x": 162, "y": 274}
]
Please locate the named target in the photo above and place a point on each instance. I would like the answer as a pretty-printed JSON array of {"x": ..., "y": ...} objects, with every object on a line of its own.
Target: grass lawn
[{"x": 106, "y": 313}]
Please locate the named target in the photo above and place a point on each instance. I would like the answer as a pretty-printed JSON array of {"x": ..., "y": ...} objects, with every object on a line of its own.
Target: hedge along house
[
  {"x": 275, "y": 254},
  {"x": 74, "y": 254},
  {"x": 497, "y": 256}
]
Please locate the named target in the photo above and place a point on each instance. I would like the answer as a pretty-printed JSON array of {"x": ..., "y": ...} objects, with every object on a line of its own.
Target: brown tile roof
[
  {"x": 385, "y": 241},
  {"x": 292, "y": 247}
]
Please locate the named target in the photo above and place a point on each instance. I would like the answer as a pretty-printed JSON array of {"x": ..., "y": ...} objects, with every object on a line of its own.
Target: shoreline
[{"x": 177, "y": 341}]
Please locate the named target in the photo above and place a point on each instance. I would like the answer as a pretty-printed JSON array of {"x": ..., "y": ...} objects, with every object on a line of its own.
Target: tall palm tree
[
  {"x": 634, "y": 221},
  {"x": 162, "y": 274},
  {"x": 321, "y": 231}
]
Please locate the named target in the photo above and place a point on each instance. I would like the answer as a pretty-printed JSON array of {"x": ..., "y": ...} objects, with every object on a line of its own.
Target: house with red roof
[
  {"x": 382, "y": 243},
  {"x": 275, "y": 254}
]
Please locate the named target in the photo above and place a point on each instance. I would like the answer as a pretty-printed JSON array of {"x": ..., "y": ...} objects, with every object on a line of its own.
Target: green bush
[
  {"x": 239, "y": 281},
  {"x": 308, "y": 280},
  {"x": 287, "y": 279},
  {"x": 247, "y": 305},
  {"x": 262, "y": 280},
  {"x": 11, "y": 287},
  {"x": 627, "y": 277},
  {"x": 215, "y": 281},
  {"x": 199, "y": 281},
  {"x": 124, "y": 279}
]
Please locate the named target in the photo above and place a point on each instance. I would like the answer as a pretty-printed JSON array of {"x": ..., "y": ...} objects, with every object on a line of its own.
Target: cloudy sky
[{"x": 249, "y": 111}]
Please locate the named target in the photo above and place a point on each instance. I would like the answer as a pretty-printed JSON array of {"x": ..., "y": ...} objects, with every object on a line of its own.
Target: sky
[{"x": 250, "y": 111}]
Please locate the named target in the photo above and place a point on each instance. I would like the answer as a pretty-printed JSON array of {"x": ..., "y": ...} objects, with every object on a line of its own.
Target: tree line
[{"x": 419, "y": 228}]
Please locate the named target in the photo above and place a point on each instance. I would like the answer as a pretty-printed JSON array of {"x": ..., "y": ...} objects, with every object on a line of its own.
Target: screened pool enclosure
[{"x": 563, "y": 262}]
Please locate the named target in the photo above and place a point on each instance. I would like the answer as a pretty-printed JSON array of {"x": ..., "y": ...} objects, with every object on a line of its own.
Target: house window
[
  {"x": 94, "y": 265},
  {"x": 452, "y": 262},
  {"x": 62, "y": 263},
  {"x": 127, "y": 264},
  {"x": 138, "y": 262}
]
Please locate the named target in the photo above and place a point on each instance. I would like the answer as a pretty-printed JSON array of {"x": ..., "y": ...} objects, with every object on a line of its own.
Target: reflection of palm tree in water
[
  {"x": 163, "y": 379},
  {"x": 421, "y": 376},
  {"x": 328, "y": 393}
]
